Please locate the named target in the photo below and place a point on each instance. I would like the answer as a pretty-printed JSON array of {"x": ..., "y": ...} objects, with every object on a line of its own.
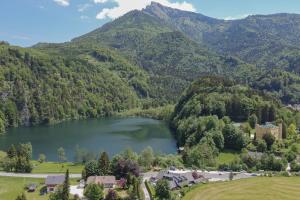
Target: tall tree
[
  {"x": 272, "y": 113},
  {"x": 284, "y": 131},
  {"x": 25, "y": 150},
  {"x": 253, "y": 120},
  {"x": 146, "y": 158},
  {"x": 103, "y": 164},
  {"x": 61, "y": 154},
  {"x": 91, "y": 168},
  {"x": 265, "y": 114},
  {"x": 292, "y": 131},
  {"x": 66, "y": 187}
]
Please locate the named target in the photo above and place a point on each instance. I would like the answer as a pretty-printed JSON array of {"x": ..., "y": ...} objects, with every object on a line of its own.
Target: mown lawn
[
  {"x": 11, "y": 187},
  {"x": 260, "y": 188},
  {"x": 53, "y": 167}
]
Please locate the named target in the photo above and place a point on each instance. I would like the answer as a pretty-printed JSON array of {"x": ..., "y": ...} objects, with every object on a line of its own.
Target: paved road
[
  {"x": 6, "y": 174},
  {"x": 146, "y": 177}
]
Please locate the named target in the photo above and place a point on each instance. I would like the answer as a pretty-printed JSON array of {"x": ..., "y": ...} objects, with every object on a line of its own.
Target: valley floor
[{"x": 259, "y": 188}]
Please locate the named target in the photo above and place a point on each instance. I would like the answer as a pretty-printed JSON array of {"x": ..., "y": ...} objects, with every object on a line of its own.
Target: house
[
  {"x": 106, "y": 181},
  {"x": 178, "y": 180},
  {"x": 53, "y": 181},
  {"x": 261, "y": 130}
]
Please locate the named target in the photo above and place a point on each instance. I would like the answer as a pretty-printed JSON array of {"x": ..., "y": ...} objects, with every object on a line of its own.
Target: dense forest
[
  {"x": 220, "y": 98},
  {"x": 216, "y": 114},
  {"x": 38, "y": 88},
  {"x": 146, "y": 59}
]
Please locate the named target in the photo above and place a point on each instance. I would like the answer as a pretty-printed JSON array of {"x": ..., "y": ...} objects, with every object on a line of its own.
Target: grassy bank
[
  {"x": 260, "y": 188},
  {"x": 226, "y": 157},
  {"x": 54, "y": 167}
]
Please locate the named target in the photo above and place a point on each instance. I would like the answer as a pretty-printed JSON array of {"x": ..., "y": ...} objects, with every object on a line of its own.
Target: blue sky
[{"x": 27, "y": 22}]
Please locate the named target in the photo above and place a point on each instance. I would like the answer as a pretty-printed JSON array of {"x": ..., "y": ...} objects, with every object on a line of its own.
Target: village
[{"x": 176, "y": 179}]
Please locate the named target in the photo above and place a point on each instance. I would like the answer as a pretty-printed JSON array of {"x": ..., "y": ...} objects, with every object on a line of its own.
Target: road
[
  {"x": 146, "y": 177},
  {"x": 6, "y": 174}
]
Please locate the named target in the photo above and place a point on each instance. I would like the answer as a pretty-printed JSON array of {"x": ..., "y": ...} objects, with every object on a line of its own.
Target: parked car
[{"x": 31, "y": 187}]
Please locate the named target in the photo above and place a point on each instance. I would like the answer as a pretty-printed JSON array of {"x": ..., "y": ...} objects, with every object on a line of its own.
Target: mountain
[
  {"x": 147, "y": 59},
  {"x": 171, "y": 58},
  {"x": 175, "y": 47},
  {"x": 266, "y": 40}
]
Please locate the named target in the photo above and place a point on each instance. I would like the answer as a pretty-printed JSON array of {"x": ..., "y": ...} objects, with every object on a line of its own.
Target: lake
[{"x": 109, "y": 134}]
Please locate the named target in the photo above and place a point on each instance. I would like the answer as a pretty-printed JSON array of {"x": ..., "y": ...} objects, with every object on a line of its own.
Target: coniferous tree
[
  {"x": 83, "y": 174},
  {"x": 66, "y": 187},
  {"x": 284, "y": 130},
  {"x": 272, "y": 113},
  {"x": 103, "y": 164},
  {"x": 265, "y": 114}
]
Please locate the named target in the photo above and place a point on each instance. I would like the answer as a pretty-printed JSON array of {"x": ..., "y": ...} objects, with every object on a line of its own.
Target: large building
[{"x": 261, "y": 130}]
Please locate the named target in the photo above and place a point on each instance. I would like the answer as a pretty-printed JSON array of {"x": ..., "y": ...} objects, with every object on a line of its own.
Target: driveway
[
  {"x": 146, "y": 177},
  {"x": 75, "y": 190}
]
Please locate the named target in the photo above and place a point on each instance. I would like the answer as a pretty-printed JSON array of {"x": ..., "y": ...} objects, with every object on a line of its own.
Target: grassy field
[
  {"x": 10, "y": 188},
  {"x": 226, "y": 157},
  {"x": 260, "y": 188},
  {"x": 53, "y": 167}
]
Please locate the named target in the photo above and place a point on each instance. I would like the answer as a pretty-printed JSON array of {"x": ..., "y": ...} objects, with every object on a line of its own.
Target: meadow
[{"x": 260, "y": 188}]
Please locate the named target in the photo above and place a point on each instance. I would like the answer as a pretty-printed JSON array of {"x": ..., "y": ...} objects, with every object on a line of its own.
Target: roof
[
  {"x": 268, "y": 125},
  {"x": 55, "y": 180},
  {"x": 101, "y": 180},
  {"x": 176, "y": 179}
]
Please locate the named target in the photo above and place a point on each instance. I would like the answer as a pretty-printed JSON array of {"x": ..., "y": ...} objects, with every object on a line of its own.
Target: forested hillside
[
  {"x": 171, "y": 59},
  {"x": 36, "y": 87},
  {"x": 265, "y": 40},
  {"x": 208, "y": 100},
  {"x": 175, "y": 47},
  {"x": 147, "y": 59}
]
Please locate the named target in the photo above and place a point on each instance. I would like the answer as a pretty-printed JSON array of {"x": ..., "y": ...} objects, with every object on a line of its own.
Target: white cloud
[
  {"x": 83, "y": 7},
  {"x": 62, "y": 2},
  {"x": 236, "y": 17},
  {"x": 123, "y": 6}
]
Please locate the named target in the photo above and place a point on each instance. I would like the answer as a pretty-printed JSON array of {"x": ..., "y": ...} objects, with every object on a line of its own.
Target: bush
[
  {"x": 261, "y": 146},
  {"x": 295, "y": 167},
  {"x": 162, "y": 189},
  {"x": 290, "y": 156},
  {"x": 150, "y": 189}
]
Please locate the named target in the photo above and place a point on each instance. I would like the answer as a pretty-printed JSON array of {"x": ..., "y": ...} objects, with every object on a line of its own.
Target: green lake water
[{"x": 109, "y": 134}]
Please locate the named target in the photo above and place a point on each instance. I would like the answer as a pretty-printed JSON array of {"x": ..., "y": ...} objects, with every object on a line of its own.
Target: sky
[{"x": 27, "y": 22}]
